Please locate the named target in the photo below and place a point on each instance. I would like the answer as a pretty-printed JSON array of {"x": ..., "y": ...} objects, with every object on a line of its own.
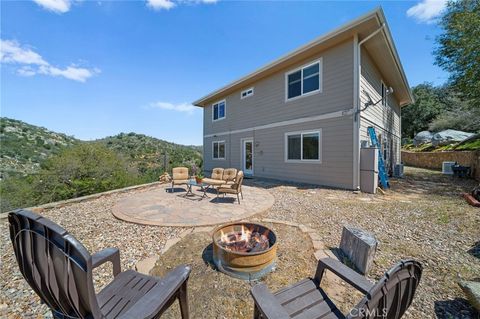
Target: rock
[
  {"x": 359, "y": 246},
  {"x": 449, "y": 136},
  {"x": 144, "y": 266},
  {"x": 422, "y": 138},
  {"x": 472, "y": 291}
]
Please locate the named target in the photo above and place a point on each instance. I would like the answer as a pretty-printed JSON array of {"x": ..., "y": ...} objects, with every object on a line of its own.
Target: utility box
[{"x": 369, "y": 169}]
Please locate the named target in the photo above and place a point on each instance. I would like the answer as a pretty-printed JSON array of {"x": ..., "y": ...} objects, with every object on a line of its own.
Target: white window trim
[
  {"x": 246, "y": 91},
  {"x": 224, "y": 147},
  {"x": 242, "y": 151},
  {"x": 225, "y": 111},
  {"x": 301, "y": 160},
  {"x": 320, "y": 80},
  {"x": 382, "y": 91}
]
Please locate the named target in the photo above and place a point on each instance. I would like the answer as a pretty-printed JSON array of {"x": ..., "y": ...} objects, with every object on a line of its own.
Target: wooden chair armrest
[
  {"x": 152, "y": 303},
  {"x": 267, "y": 304},
  {"x": 107, "y": 254},
  {"x": 353, "y": 278}
]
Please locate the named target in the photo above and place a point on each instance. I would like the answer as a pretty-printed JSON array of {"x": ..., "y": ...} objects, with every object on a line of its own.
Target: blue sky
[{"x": 98, "y": 68}]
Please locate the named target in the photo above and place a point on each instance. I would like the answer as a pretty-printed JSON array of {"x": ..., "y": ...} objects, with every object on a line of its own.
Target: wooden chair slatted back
[
  {"x": 55, "y": 265},
  {"x": 392, "y": 294}
]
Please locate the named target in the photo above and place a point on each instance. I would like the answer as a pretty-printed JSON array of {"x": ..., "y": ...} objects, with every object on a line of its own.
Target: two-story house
[{"x": 304, "y": 116}]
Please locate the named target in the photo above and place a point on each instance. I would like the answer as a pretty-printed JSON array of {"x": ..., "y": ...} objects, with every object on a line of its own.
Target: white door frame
[{"x": 242, "y": 155}]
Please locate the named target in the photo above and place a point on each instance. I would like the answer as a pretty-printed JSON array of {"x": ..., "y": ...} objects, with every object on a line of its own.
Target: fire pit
[{"x": 244, "y": 250}]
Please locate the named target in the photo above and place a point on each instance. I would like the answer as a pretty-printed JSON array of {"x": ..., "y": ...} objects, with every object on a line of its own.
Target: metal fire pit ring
[{"x": 244, "y": 265}]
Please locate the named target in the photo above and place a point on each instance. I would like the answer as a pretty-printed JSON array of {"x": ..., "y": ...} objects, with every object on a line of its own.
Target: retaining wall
[{"x": 433, "y": 160}]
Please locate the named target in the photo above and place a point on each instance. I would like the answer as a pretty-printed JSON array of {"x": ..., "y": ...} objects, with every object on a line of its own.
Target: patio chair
[
  {"x": 59, "y": 269},
  {"x": 234, "y": 188},
  {"x": 389, "y": 298},
  {"x": 180, "y": 176}
]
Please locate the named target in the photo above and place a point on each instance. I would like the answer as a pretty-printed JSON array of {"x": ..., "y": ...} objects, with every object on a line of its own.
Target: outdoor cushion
[
  {"x": 211, "y": 181},
  {"x": 226, "y": 186},
  {"x": 180, "y": 173},
  {"x": 229, "y": 174},
  {"x": 217, "y": 173}
]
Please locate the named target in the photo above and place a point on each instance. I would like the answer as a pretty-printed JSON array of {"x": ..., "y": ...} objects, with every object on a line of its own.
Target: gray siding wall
[
  {"x": 385, "y": 119},
  {"x": 335, "y": 169},
  {"x": 268, "y": 105}
]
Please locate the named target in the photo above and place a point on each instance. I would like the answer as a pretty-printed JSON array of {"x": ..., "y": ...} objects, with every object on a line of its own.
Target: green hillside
[
  {"x": 148, "y": 153},
  {"x": 25, "y": 146},
  {"x": 39, "y": 166}
]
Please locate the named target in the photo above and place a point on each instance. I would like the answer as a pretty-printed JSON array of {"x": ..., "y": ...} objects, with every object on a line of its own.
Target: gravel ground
[{"x": 422, "y": 217}]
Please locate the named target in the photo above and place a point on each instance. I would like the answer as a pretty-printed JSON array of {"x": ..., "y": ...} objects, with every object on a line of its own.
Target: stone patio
[{"x": 159, "y": 206}]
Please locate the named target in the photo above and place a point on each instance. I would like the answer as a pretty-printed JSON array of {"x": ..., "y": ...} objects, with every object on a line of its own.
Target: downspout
[{"x": 356, "y": 103}]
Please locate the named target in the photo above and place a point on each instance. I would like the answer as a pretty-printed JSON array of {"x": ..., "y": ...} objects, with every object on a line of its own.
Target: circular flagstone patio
[{"x": 159, "y": 206}]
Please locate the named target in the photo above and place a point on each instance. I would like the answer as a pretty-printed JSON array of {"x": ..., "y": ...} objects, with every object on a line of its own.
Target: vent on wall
[
  {"x": 246, "y": 93},
  {"x": 447, "y": 168}
]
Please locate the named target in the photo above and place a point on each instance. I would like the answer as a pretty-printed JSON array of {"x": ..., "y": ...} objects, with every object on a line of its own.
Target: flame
[
  {"x": 223, "y": 237},
  {"x": 245, "y": 234}
]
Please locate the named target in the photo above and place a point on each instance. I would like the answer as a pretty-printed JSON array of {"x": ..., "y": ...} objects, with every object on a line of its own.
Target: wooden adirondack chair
[
  {"x": 389, "y": 298},
  {"x": 59, "y": 270}
]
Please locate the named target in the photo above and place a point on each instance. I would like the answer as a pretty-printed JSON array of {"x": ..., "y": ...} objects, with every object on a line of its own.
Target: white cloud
[
  {"x": 70, "y": 72},
  {"x": 26, "y": 71},
  {"x": 57, "y": 6},
  {"x": 180, "y": 107},
  {"x": 427, "y": 11},
  {"x": 11, "y": 52},
  {"x": 169, "y": 4},
  {"x": 160, "y": 4},
  {"x": 30, "y": 63}
]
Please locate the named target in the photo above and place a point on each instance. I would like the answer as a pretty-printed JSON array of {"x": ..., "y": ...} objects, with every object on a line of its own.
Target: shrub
[{"x": 80, "y": 170}]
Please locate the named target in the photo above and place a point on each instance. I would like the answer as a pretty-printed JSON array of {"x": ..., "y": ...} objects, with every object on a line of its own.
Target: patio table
[{"x": 203, "y": 187}]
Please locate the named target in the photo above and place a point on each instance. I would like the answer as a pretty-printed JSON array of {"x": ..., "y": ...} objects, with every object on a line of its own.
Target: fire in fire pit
[
  {"x": 246, "y": 240},
  {"x": 246, "y": 251}
]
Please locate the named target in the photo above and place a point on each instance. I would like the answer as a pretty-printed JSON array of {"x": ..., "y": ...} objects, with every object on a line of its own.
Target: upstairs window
[
  {"x": 218, "y": 150},
  {"x": 304, "y": 81},
  {"x": 246, "y": 93},
  {"x": 219, "y": 110},
  {"x": 302, "y": 146}
]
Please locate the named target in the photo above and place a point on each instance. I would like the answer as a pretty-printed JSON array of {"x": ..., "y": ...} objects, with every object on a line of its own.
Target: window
[
  {"x": 304, "y": 80},
  {"x": 302, "y": 146},
  {"x": 384, "y": 94},
  {"x": 246, "y": 93},
  {"x": 219, "y": 110},
  {"x": 218, "y": 150}
]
